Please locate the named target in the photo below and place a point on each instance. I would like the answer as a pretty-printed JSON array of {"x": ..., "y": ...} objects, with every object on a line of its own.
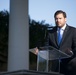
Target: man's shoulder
[{"x": 71, "y": 27}]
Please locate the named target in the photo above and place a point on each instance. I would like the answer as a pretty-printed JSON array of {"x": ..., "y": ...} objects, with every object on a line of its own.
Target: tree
[
  {"x": 4, "y": 22},
  {"x": 37, "y": 33}
]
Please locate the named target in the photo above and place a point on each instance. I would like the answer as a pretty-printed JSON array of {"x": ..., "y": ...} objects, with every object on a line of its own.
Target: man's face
[{"x": 60, "y": 20}]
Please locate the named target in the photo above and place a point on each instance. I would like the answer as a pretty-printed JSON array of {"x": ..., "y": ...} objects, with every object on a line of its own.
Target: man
[{"x": 66, "y": 42}]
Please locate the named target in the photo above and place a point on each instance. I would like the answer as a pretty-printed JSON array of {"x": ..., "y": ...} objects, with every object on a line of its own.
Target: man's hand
[
  {"x": 69, "y": 51},
  {"x": 36, "y": 50}
]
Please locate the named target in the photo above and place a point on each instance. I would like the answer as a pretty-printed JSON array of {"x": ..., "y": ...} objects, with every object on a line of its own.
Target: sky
[
  {"x": 44, "y": 10},
  {"x": 4, "y": 5}
]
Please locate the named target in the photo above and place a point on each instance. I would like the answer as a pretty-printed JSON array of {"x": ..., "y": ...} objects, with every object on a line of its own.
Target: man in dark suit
[{"x": 66, "y": 42}]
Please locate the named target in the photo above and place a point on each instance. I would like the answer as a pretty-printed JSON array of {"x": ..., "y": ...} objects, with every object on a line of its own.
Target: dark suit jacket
[{"x": 68, "y": 42}]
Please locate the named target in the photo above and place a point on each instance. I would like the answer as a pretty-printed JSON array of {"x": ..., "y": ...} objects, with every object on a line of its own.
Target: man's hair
[{"x": 60, "y": 12}]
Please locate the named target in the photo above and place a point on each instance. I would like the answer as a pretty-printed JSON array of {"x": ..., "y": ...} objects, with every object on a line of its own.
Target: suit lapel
[
  {"x": 63, "y": 38},
  {"x": 64, "y": 34}
]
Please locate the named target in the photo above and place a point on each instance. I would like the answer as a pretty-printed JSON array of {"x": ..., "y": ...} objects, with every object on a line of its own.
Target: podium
[{"x": 49, "y": 58}]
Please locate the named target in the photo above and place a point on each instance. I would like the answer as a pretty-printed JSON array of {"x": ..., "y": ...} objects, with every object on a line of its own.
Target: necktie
[{"x": 59, "y": 36}]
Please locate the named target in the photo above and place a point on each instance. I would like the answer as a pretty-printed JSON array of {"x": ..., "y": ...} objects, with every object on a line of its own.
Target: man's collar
[{"x": 63, "y": 28}]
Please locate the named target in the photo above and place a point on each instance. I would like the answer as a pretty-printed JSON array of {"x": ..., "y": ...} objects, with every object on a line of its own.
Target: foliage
[
  {"x": 37, "y": 33},
  {"x": 4, "y": 22}
]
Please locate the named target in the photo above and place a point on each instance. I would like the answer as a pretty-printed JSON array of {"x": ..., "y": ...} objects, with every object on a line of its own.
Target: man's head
[{"x": 60, "y": 18}]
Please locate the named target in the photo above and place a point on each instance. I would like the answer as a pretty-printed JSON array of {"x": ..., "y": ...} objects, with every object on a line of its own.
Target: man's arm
[{"x": 74, "y": 42}]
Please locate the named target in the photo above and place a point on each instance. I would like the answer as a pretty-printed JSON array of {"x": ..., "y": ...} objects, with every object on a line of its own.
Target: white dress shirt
[{"x": 61, "y": 33}]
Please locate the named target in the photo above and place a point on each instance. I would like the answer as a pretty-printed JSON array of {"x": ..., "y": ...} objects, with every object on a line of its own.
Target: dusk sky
[{"x": 44, "y": 9}]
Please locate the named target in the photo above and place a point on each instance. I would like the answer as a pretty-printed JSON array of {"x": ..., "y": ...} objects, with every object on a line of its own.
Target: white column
[{"x": 18, "y": 48}]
